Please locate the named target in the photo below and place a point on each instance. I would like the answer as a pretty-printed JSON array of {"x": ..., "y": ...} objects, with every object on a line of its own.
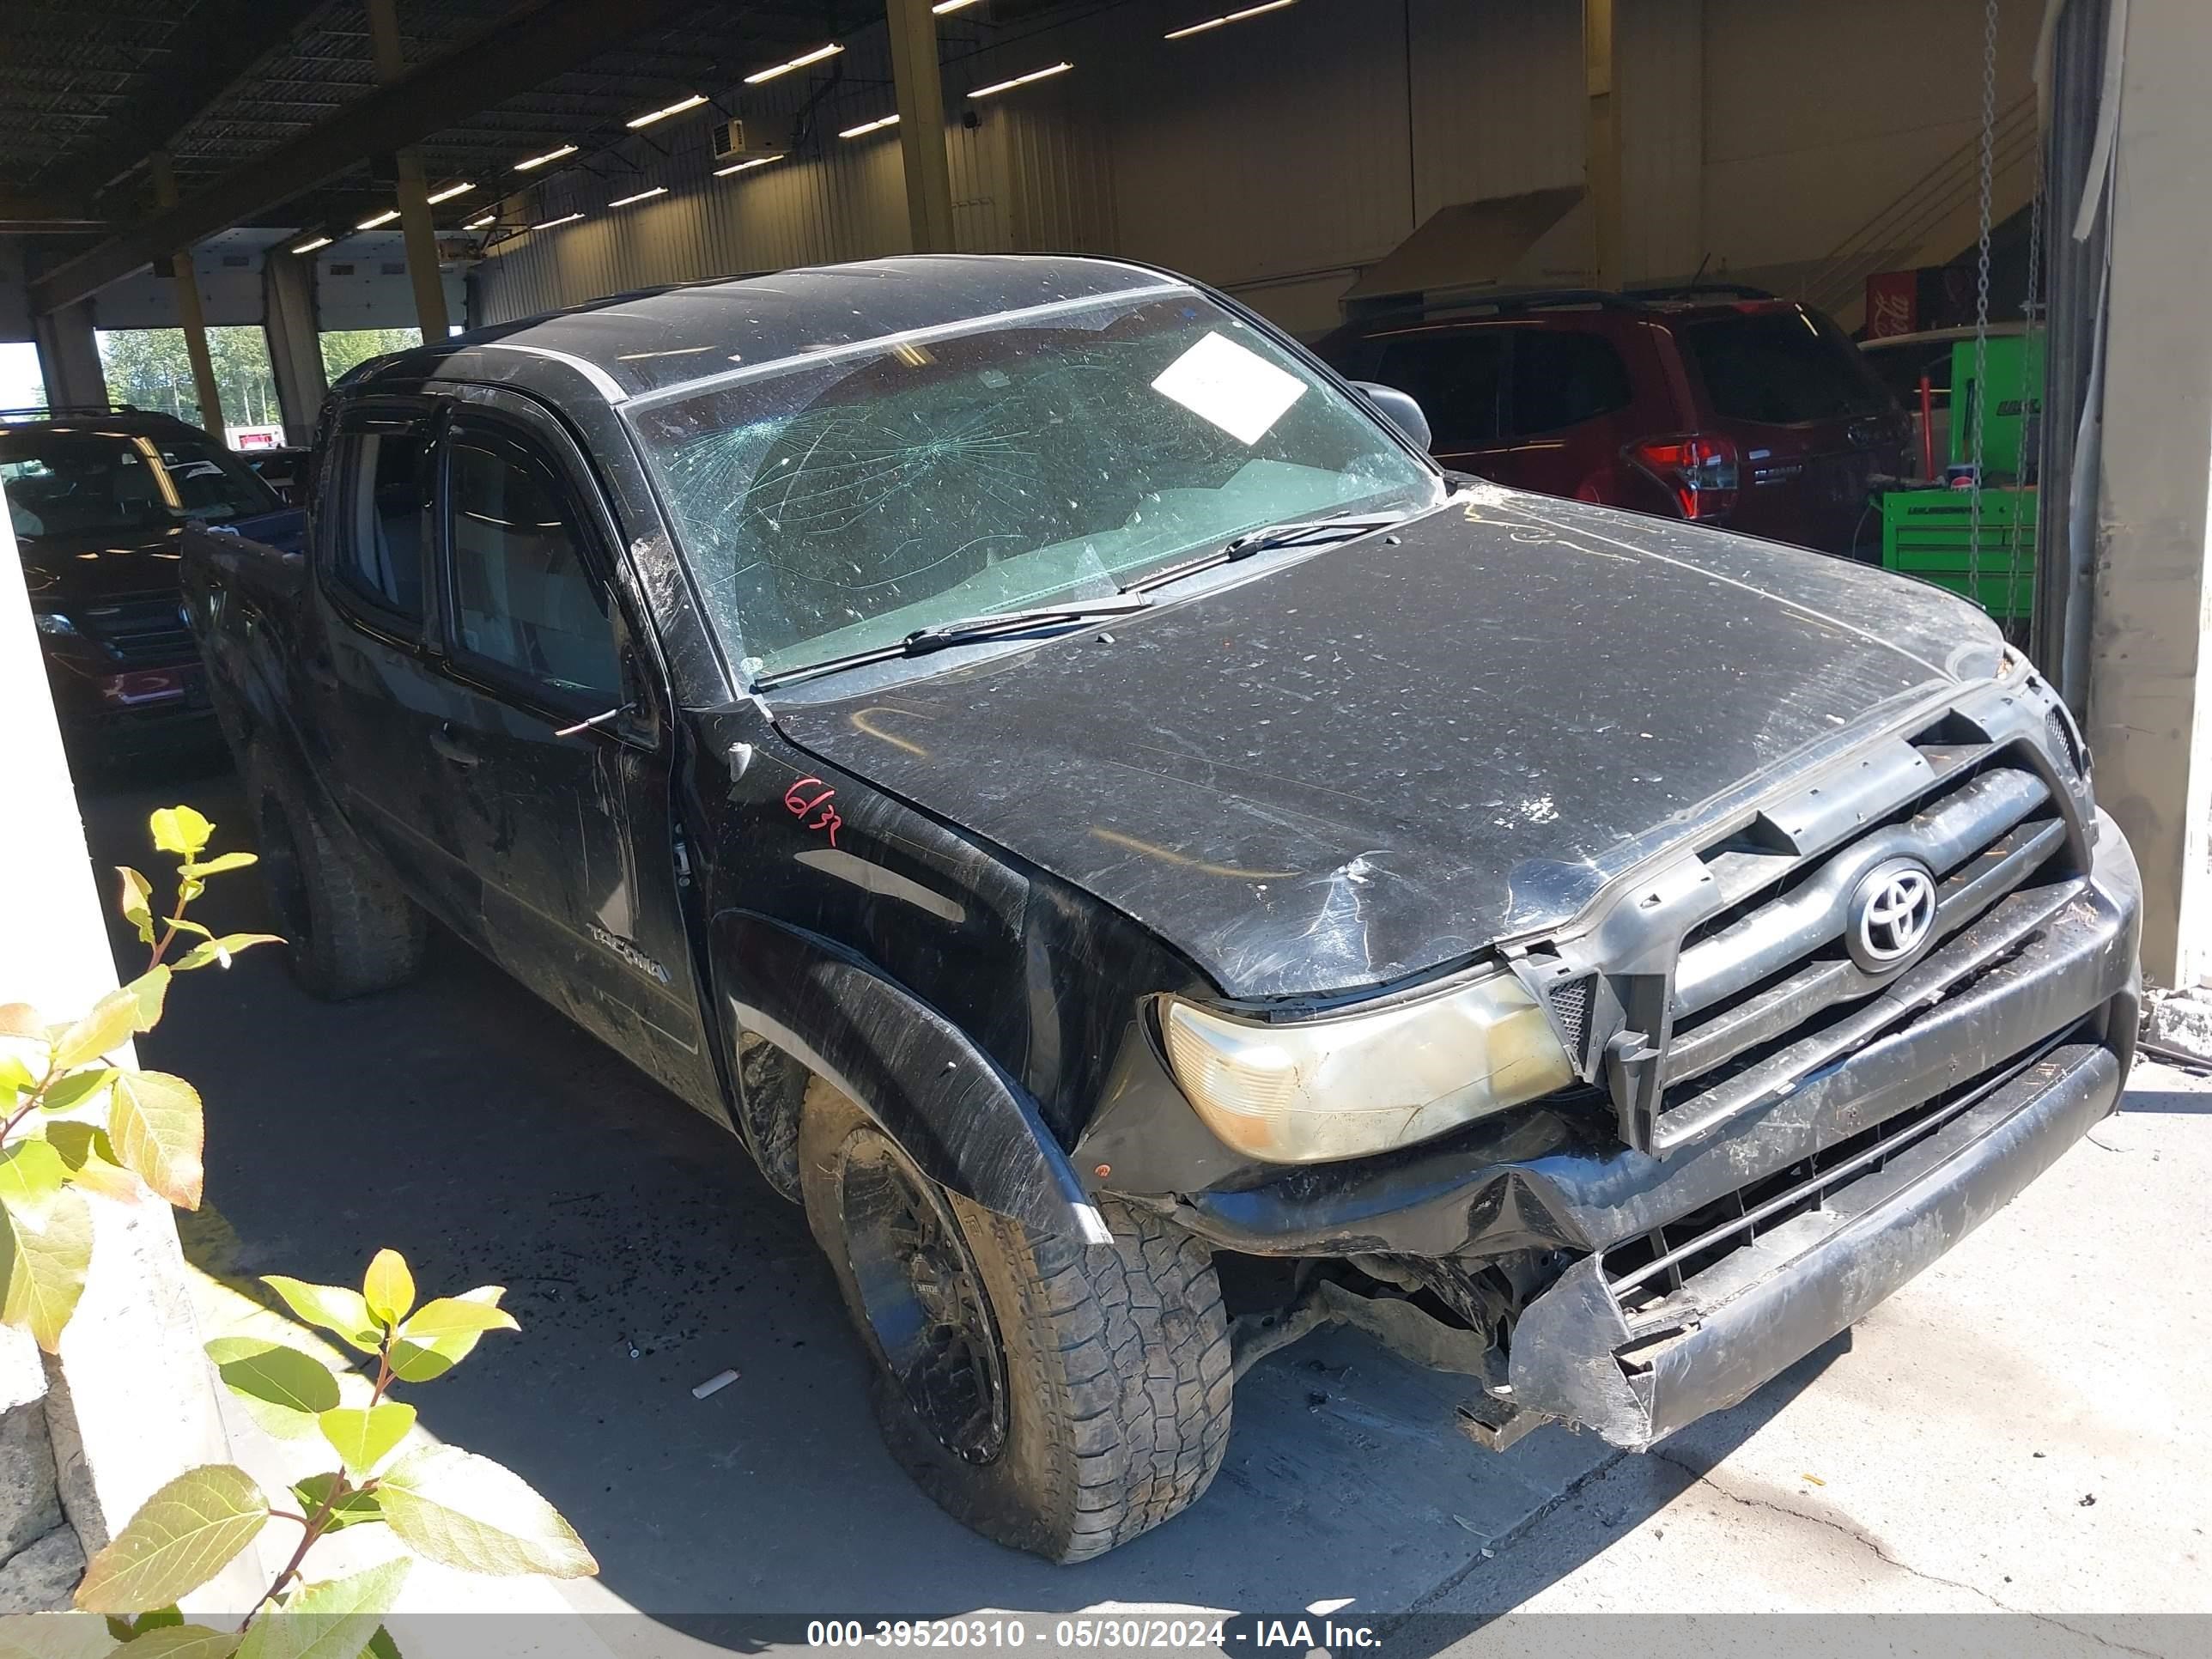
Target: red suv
[{"x": 1723, "y": 405}]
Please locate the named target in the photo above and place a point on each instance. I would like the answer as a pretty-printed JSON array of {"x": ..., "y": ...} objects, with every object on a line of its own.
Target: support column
[
  {"x": 189, "y": 318},
  {"x": 421, "y": 235},
  {"x": 296, "y": 355},
  {"x": 1601, "y": 141},
  {"x": 921, "y": 124},
  {"x": 69, "y": 357},
  {"x": 2150, "y": 701}
]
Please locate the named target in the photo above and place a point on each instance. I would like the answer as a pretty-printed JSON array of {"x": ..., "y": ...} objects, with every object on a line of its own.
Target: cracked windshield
[{"x": 836, "y": 503}]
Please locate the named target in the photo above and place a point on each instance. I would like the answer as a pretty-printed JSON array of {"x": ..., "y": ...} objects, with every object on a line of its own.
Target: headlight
[
  {"x": 51, "y": 622},
  {"x": 1364, "y": 1082}
]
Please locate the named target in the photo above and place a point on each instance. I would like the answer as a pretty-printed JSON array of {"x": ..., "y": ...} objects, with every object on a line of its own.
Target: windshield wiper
[
  {"x": 1290, "y": 534},
  {"x": 968, "y": 630}
]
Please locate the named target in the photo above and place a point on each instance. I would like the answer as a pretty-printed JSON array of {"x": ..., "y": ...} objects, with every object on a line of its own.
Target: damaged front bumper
[
  {"x": 1585, "y": 1352},
  {"x": 1698, "y": 1275}
]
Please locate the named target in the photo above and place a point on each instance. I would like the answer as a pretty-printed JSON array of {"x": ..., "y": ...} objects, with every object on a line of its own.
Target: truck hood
[
  {"x": 90, "y": 570},
  {"x": 1337, "y": 772}
]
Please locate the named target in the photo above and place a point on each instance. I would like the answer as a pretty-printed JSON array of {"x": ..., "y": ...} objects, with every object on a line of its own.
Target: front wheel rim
[{"x": 922, "y": 1299}]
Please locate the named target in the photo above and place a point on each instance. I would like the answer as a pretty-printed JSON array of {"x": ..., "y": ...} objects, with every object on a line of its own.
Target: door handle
[{"x": 460, "y": 754}]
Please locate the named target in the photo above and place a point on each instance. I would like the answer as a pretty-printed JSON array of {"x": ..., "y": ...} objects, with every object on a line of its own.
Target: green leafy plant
[
  {"x": 56, "y": 1143},
  {"x": 443, "y": 1503}
]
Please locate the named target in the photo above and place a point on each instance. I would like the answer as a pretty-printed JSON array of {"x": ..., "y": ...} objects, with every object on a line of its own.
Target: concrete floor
[{"x": 2022, "y": 1429}]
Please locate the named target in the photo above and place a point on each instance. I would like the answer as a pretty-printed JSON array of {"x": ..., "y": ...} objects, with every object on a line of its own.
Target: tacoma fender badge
[{"x": 628, "y": 952}]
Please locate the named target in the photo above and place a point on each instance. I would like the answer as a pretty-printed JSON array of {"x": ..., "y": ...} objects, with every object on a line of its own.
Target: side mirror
[{"x": 1400, "y": 411}]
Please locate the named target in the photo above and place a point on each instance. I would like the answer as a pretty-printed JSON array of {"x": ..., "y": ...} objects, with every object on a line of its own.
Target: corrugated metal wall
[{"x": 1279, "y": 156}]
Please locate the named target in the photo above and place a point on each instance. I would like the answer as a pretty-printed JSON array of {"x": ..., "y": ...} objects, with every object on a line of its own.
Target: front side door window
[{"x": 527, "y": 608}]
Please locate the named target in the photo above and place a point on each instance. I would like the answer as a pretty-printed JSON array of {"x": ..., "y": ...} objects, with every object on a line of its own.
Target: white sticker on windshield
[{"x": 1231, "y": 386}]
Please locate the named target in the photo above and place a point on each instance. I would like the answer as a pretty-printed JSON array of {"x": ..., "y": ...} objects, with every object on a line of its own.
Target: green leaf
[
  {"x": 203, "y": 868},
  {"x": 44, "y": 1265},
  {"x": 389, "y": 1288},
  {"x": 182, "y": 1537},
  {"x": 180, "y": 830},
  {"x": 73, "y": 1091},
  {"x": 222, "y": 950},
  {"x": 125, "y": 1628},
  {"x": 159, "y": 1131},
  {"x": 365, "y": 1438},
  {"x": 352, "y": 1511},
  {"x": 106, "y": 1028},
  {"x": 138, "y": 902},
  {"x": 283, "y": 1389},
  {"x": 32, "y": 1173},
  {"x": 147, "y": 990},
  {"x": 182, "y": 1641},
  {"x": 441, "y": 1334},
  {"x": 333, "y": 1307},
  {"x": 19, "y": 1019},
  {"x": 462, "y": 1510},
  {"x": 381, "y": 1646},
  {"x": 89, "y": 1156},
  {"x": 16, "y": 1077},
  {"x": 337, "y": 1620},
  {"x": 185, "y": 925}
]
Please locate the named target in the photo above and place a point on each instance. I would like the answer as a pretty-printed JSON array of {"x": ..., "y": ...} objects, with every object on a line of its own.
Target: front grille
[
  {"x": 141, "y": 633},
  {"x": 1766, "y": 991},
  {"x": 1642, "y": 1273}
]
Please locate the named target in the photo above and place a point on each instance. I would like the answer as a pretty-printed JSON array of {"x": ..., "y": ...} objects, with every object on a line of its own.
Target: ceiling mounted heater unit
[{"x": 728, "y": 140}]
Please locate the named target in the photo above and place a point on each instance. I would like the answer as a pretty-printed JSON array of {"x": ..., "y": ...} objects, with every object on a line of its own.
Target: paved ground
[{"x": 2023, "y": 1428}]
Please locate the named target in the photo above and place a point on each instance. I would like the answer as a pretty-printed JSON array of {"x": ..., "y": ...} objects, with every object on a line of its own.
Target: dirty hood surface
[{"x": 1380, "y": 757}]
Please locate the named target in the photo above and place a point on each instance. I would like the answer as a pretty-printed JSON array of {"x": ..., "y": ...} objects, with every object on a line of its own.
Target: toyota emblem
[{"x": 1893, "y": 914}]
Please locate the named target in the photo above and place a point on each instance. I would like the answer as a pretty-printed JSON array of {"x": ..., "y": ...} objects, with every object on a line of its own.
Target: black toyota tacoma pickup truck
[{"x": 1076, "y": 791}]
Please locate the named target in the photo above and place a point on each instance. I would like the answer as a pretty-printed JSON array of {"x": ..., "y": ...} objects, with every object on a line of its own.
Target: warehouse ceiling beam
[
  {"x": 227, "y": 40},
  {"x": 919, "y": 84},
  {"x": 420, "y": 235},
  {"x": 528, "y": 47}
]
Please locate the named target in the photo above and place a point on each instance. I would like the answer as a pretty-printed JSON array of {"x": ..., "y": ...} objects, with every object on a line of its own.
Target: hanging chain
[{"x": 1980, "y": 426}]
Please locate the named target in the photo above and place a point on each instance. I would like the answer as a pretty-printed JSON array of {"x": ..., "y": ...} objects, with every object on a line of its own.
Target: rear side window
[
  {"x": 525, "y": 600},
  {"x": 1780, "y": 367},
  {"x": 378, "y": 555},
  {"x": 1562, "y": 379},
  {"x": 1456, "y": 378}
]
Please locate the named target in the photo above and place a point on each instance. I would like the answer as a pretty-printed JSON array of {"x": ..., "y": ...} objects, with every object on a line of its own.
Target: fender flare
[{"x": 966, "y": 1124}]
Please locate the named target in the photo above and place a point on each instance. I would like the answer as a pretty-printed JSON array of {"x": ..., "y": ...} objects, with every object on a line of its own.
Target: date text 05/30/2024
[{"x": 1133, "y": 1632}]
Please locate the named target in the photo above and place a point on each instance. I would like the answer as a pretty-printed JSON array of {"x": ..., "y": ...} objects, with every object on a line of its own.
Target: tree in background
[
  {"x": 149, "y": 368},
  {"x": 347, "y": 348}
]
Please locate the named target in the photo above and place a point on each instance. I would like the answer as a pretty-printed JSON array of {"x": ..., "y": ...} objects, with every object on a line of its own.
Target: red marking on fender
[{"x": 796, "y": 798}]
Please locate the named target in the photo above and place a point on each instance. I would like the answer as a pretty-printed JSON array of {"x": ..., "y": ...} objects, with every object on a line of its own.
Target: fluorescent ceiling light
[
  {"x": 540, "y": 161},
  {"x": 643, "y": 196},
  {"x": 1021, "y": 80},
  {"x": 1227, "y": 17},
  {"x": 374, "y": 220},
  {"x": 740, "y": 167},
  {"x": 944, "y": 6},
  {"x": 565, "y": 219},
  {"x": 666, "y": 110},
  {"x": 867, "y": 127},
  {"x": 312, "y": 244},
  {"x": 801, "y": 62},
  {"x": 478, "y": 224},
  {"x": 451, "y": 191}
]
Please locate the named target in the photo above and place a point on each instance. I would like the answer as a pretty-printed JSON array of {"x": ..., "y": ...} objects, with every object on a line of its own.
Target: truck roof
[{"x": 627, "y": 345}]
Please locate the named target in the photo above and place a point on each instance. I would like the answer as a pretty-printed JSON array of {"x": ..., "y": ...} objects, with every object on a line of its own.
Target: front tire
[{"x": 1059, "y": 1398}]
